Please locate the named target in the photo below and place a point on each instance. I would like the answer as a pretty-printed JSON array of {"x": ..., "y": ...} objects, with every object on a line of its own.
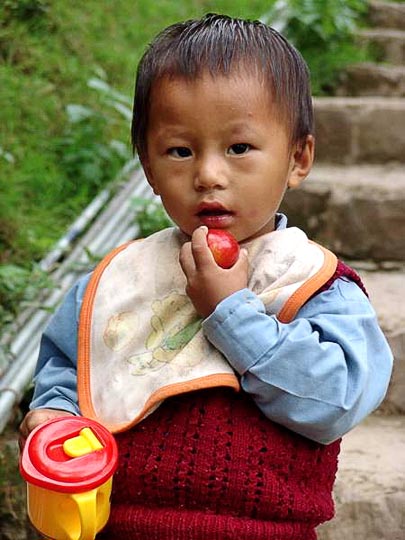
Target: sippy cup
[{"x": 68, "y": 464}]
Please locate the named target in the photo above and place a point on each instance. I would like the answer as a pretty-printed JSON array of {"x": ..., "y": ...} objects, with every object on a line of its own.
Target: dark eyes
[
  {"x": 179, "y": 152},
  {"x": 239, "y": 149},
  {"x": 182, "y": 152}
]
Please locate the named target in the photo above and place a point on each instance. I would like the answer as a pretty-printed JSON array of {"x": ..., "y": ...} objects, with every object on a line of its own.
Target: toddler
[{"x": 228, "y": 389}]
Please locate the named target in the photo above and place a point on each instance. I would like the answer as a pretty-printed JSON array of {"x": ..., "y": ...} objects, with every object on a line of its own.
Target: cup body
[
  {"x": 68, "y": 464},
  {"x": 63, "y": 516}
]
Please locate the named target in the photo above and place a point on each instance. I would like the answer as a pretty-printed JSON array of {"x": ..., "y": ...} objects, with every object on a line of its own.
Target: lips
[
  {"x": 214, "y": 215},
  {"x": 212, "y": 209}
]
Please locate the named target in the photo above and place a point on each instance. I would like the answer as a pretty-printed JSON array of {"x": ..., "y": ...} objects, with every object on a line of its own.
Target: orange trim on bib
[
  {"x": 84, "y": 334},
  {"x": 301, "y": 295},
  {"x": 203, "y": 383}
]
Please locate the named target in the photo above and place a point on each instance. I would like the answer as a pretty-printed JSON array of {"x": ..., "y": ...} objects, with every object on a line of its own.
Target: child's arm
[
  {"x": 55, "y": 391},
  {"x": 319, "y": 375}
]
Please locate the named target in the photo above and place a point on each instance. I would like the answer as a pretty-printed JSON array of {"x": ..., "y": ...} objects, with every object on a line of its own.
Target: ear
[
  {"x": 302, "y": 159},
  {"x": 148, "y": 173}
]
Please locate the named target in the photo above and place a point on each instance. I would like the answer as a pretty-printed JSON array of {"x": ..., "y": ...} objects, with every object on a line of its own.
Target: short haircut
[{"x": 219, "y": 44}]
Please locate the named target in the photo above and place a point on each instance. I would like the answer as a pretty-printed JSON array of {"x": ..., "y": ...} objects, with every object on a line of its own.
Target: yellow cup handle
[{"x": 87, "y": 506}]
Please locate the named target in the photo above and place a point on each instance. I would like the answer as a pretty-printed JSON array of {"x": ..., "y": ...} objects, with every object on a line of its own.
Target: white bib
[{"x": 140, "y": 339}]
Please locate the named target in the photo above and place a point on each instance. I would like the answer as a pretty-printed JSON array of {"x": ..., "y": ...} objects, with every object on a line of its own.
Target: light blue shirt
[{"x": 319, "y": 375}]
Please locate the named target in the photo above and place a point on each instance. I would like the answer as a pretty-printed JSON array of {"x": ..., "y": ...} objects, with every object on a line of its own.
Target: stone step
[
  {"x": 369, "y": 79},
  {"x": 352, "y": 130},
  {"x": 384, "y": 289},
  {"x": 357, "y": 211},
  {"x": 387, "y": 45},
  {"x": 387, "y": 14},
  {"x": 369, "y": 490}
]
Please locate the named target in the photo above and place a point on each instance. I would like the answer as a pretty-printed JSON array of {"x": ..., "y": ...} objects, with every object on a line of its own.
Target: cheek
[
  {"x": 173, "y": 199},
  {"x": 253, "y": 213},
  {"x": 169, "y": 177},
  {"x": 263, "y": 204}
]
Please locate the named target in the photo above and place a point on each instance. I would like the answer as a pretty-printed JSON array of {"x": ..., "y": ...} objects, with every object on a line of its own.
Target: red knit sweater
[{"x": 209, "y": 465}]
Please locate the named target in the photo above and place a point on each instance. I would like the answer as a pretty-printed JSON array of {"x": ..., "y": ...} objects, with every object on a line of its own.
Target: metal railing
[{"x": 106, "y": 223}]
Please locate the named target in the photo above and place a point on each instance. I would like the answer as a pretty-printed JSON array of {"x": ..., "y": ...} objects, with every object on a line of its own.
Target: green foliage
[
  {"x": 19, "y": 287},
  {"x": 89, "y": 160},
  {"x": 23, "y": 10},
  {"x": 150, "y": 216},
  {"x": 324, "y": 32}
]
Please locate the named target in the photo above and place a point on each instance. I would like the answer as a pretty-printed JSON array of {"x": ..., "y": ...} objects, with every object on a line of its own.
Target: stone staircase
[{"x": 354, "y": 202}]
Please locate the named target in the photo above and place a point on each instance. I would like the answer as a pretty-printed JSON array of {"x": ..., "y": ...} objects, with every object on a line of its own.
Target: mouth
[
  {"x": 214, "y": 215},
  {"x": 212, "y": 209}
]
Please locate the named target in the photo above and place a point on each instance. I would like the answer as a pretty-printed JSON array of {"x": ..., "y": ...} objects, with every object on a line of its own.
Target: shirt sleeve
[
  {"x": 56, "y": 370},
  {"x": 320, "y": 374}
]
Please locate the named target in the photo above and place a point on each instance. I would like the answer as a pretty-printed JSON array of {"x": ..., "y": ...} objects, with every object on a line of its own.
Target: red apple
[{"x": 223, "y": 246}]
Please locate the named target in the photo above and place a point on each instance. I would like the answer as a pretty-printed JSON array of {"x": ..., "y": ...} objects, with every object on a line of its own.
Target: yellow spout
[{"x": 84, "y": 443}]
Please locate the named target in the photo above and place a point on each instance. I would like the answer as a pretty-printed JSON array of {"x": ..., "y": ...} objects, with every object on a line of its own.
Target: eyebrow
[
  {"x": 241, "y": 126},
  {"x": 242, "y": 129},
  {"x": 171, "y": 131}
]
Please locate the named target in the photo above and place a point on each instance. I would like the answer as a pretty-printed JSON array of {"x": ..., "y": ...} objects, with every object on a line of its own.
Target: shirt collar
[{"x": 281, "y": 222}]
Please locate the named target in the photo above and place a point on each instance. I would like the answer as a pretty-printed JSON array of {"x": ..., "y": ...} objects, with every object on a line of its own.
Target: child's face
[{"x": 217, "y": 154}]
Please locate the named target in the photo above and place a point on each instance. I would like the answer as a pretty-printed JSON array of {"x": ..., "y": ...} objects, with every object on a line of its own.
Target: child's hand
[
  {"x": 36, "y": 417},
  {"x": 208, "y": 283}
]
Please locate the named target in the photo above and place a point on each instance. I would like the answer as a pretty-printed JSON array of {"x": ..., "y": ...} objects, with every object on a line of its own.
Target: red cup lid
[{"x": 69, "y": 454}]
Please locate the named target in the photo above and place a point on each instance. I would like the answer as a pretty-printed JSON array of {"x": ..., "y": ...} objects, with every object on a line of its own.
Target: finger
[
  {"x": 24, "y": 428},
  {"x": 24, "y": 431},
  {"x": 201, "y": 253},
  {"x": 243, "y": 261},
  {"x": 186, "y": 259},
  {"x": 21, "y": 443},
  {"x": 21, "y": 439},
  {"x": 39, "y": 416}
]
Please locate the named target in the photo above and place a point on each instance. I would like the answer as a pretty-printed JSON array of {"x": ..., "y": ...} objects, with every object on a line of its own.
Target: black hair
[{"x": 220, "y": 44}]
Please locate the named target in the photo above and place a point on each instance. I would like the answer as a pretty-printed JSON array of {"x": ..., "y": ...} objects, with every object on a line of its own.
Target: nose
[{"x": 210, "y": 174}]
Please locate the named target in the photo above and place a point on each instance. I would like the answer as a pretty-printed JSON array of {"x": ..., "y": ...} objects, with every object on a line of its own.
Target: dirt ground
[
  {"x": 370, "y": 485},
  {"x": 14, "y": 524}
]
